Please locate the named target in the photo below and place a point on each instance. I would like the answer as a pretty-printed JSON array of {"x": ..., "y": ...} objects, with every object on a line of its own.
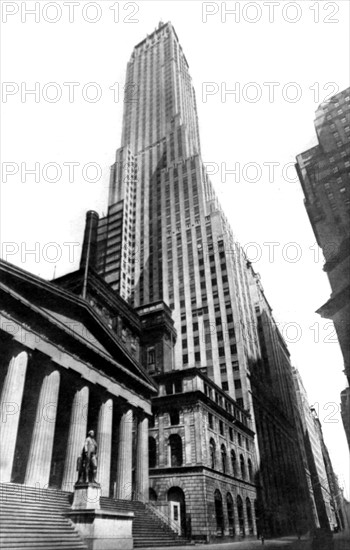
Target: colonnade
[{"x": 38, "y": 464}]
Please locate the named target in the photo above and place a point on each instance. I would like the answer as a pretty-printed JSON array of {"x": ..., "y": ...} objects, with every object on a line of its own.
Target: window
[
  {"x": 221, "y": 427},
  {"x": 230, "y": 514},
  {"x": 250, "y": 470},
  {"x": 150, "y": 356},
  {"x": 219, "y": 513},
  {"x": 223, "y": 458},
  {"x": 173, "y": 387},
  {"x": 210, "y": 421},
  {"x": 238, "y": 384},
  {"x": 249, "y": 516},
  {"x": 175, "y": 450},
  {"x": 225, "y": 386},
  {"x": 174, "y": 418},
  {"x": 242, "y": 463},
  {"x": 233, "y": 463},
  {"x": 152, "y": 452},
  {"x": 230, "y": 431},
  {"x": 212, "y": 451}
]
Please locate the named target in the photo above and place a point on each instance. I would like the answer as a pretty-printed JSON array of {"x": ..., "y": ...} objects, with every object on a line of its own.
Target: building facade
[
  {"x": 288, "y": 503},
  {"x": 315, "y": 448},
  {"x": 202, "y": 458},
  {"x": 324, "y": 173},
  {"x": 64, "y": 371}
]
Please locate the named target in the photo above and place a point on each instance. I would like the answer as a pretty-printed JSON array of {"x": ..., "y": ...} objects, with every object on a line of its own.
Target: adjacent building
[
  {"x": 324, "y": 173},
  {"x": 321, "y": 471},
  {"x": 287, "y": 497}
]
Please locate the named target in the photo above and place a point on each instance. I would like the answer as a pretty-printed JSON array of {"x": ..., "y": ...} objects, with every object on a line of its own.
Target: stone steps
[{"x": 34, "y": 519}]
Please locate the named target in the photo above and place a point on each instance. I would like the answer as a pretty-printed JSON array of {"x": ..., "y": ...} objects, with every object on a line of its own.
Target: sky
[{"x": 259, "y": 75}]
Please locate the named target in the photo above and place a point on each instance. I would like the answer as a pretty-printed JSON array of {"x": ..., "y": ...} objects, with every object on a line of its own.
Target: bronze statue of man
[{"x": 88, "y": 461}]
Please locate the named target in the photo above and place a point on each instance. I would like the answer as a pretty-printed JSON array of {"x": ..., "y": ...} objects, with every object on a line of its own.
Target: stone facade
[{"x": 201, "y": 455}]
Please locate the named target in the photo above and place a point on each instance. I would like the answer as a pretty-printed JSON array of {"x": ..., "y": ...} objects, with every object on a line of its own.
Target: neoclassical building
[{"x": 65, "y": 370}]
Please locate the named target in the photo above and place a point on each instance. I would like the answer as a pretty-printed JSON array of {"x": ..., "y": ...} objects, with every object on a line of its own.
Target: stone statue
[{"x": 88, "y": 460}]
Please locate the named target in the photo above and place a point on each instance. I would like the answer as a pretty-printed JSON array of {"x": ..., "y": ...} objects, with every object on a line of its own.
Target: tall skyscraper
[
  {"x": 165, "y": 239},
  {"x": 324, "y": 173},
  {"x": 165, "y": 236}
]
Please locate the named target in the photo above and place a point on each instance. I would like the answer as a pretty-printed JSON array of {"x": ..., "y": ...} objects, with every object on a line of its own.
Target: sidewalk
[{"x": 284, "y": 542}]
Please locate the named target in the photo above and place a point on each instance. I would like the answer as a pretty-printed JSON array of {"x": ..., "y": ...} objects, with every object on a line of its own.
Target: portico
[{"x": 62, "y": 374}]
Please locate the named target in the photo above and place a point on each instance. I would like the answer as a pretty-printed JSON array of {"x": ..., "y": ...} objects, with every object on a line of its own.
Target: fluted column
[
  {"x": 10, "y": 409},
  {"x": 76, "y": 437},
  {"x": 104, "y": 445},
  {"x": 124, "y": 467},
  {"x": 40, "y": 453},
  {"x": 142, "y": 479}
]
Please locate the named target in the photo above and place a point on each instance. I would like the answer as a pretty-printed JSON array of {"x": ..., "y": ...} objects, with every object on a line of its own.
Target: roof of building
[{"x": 65, "y": 317}]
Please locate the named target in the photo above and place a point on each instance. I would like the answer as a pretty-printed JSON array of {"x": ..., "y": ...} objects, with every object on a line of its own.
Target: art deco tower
[{"x": 165, "y": 236}]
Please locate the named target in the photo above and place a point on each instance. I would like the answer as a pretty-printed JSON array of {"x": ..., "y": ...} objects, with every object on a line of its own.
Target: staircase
[
  {"x": 32, "y": 519},
  {"x": 148, "y": 530}
]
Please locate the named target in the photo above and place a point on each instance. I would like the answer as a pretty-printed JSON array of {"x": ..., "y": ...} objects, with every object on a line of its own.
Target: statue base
[
  {"x": 100, "y": 529},
  {"x": 104, "y": 529},
  {"x": 86, "y": 496}
]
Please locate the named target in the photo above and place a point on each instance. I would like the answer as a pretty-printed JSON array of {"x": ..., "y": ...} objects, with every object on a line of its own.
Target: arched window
[
  {"x": 240, "y": 516},
  {"x": 212, "y": 451},
  {"x": 175, "y": 449},
  {"x": 152, "y": 452},
  {"x": 233, "y": 463},
  {"x": 249, "y": 516},
  {"x": 241, "y": 459},
  {"x": 223, "y": 458},
  {"x": 250, "y": 470},
  {"x": 219, "y": 513},
  {"x": 230, "y": 514}
]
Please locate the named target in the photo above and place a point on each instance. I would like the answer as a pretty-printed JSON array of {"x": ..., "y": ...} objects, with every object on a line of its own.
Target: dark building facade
[
  {"x": 324, "y": 173},
  {"x": 287, "y": 496}
]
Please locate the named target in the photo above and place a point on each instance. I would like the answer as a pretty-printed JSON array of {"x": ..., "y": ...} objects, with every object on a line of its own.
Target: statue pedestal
[
  {"x": 100, "y": 529},
  {"x": 86, "y": 496}
]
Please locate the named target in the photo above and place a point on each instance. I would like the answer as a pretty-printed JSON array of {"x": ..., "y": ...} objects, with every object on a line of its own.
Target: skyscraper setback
[{"x": 165, "y": 236}]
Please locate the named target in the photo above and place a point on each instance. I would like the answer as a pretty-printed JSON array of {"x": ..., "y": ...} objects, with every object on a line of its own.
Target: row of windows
[{"x": 235, "y": 468}]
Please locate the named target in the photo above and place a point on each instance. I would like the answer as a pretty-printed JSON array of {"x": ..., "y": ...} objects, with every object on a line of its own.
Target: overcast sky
[{"x": 281, "y": 58}]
